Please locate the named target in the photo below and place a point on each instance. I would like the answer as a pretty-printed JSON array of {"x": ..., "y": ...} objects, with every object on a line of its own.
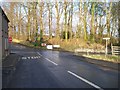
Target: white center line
[
  {"x": 39, "y": 53},
  {"x": 51, "y": 61},
  {"x": 88, "y": 82}
]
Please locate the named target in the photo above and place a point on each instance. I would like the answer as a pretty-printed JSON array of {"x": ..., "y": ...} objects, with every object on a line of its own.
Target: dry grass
[
  {"x": 70, "y": 45},
  {"x": 110, "y": 58},
  {"x": 73, "y": 44}
]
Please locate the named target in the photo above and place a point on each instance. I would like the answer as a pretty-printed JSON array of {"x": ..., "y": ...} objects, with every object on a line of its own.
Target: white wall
[
  {"x": 0, "y": 35},
  {"x": 0, "y": 49}
]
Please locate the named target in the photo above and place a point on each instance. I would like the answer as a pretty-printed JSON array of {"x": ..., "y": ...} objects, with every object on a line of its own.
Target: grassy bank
[
  {"x": 110, "y": 58},
  {"x": 73, "y": 44}
]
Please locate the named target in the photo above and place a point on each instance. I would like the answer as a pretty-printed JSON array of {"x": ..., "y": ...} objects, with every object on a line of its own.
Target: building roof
[{"x": 4, "y": 14}]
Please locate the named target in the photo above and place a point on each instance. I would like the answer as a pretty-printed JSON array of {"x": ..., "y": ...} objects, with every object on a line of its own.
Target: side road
[{"x": 8, "y": 68}]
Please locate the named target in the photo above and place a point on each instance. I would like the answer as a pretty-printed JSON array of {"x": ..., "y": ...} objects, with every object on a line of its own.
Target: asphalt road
[{"x": 54, "y": 69}]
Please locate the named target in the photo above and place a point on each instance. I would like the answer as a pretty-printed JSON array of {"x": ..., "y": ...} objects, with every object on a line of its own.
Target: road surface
[{"x": 54, "y": 69}]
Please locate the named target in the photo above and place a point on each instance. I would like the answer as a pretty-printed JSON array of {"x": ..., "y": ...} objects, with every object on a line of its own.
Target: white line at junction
[
  {"x": 24, "y": 58},
  {"x": 86, "y": 81},
  {"x": 33, "y": 57}
]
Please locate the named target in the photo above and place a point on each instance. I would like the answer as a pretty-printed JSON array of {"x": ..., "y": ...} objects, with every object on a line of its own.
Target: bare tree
[
  {"x": 70, "y": 19},
  {"x": 12, "y": 30},
  {"x": 49, "y": 7},
  {"x": 85, "y": 22},
  {"x": 59, "y": 12},
  {"x": 41, "y": 6},
  {"x": 108, "y": 16},
  {"x": 65, "y": 18}
]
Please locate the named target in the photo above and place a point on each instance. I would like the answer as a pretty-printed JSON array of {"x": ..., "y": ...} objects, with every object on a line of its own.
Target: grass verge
[{"x": 110, "y": 58}]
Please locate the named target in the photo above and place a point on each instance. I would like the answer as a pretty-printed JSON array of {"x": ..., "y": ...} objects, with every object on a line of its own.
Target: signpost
[
  {"x": 106, "y": 50},
  {"x": 10, "y": 41}
]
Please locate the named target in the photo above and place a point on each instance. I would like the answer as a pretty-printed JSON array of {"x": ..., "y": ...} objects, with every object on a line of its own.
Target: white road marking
[
  {"x": 51, "y": 61},
  {"x": 24, "y": 58},
  {"x": 32, "y": 57},
  {"x": 36, "y": 56},
  {"x": 39, "y": 53},
  {"x": 86, "y": 81},
  {"x": 28, "y": 57}
]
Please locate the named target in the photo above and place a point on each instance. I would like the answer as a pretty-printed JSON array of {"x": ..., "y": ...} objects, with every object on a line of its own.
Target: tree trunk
[
  {"x": 58, "y": 20},
  {"x": 92, "y": 23},
  {"x": 65, "y": 17},
  {"x": 85, "y": 23}
]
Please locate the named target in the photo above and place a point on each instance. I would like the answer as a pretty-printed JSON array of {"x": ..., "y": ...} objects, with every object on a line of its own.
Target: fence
[
  {"x": 89, "y": 51},
  {"x": 115, "y": 50}
]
